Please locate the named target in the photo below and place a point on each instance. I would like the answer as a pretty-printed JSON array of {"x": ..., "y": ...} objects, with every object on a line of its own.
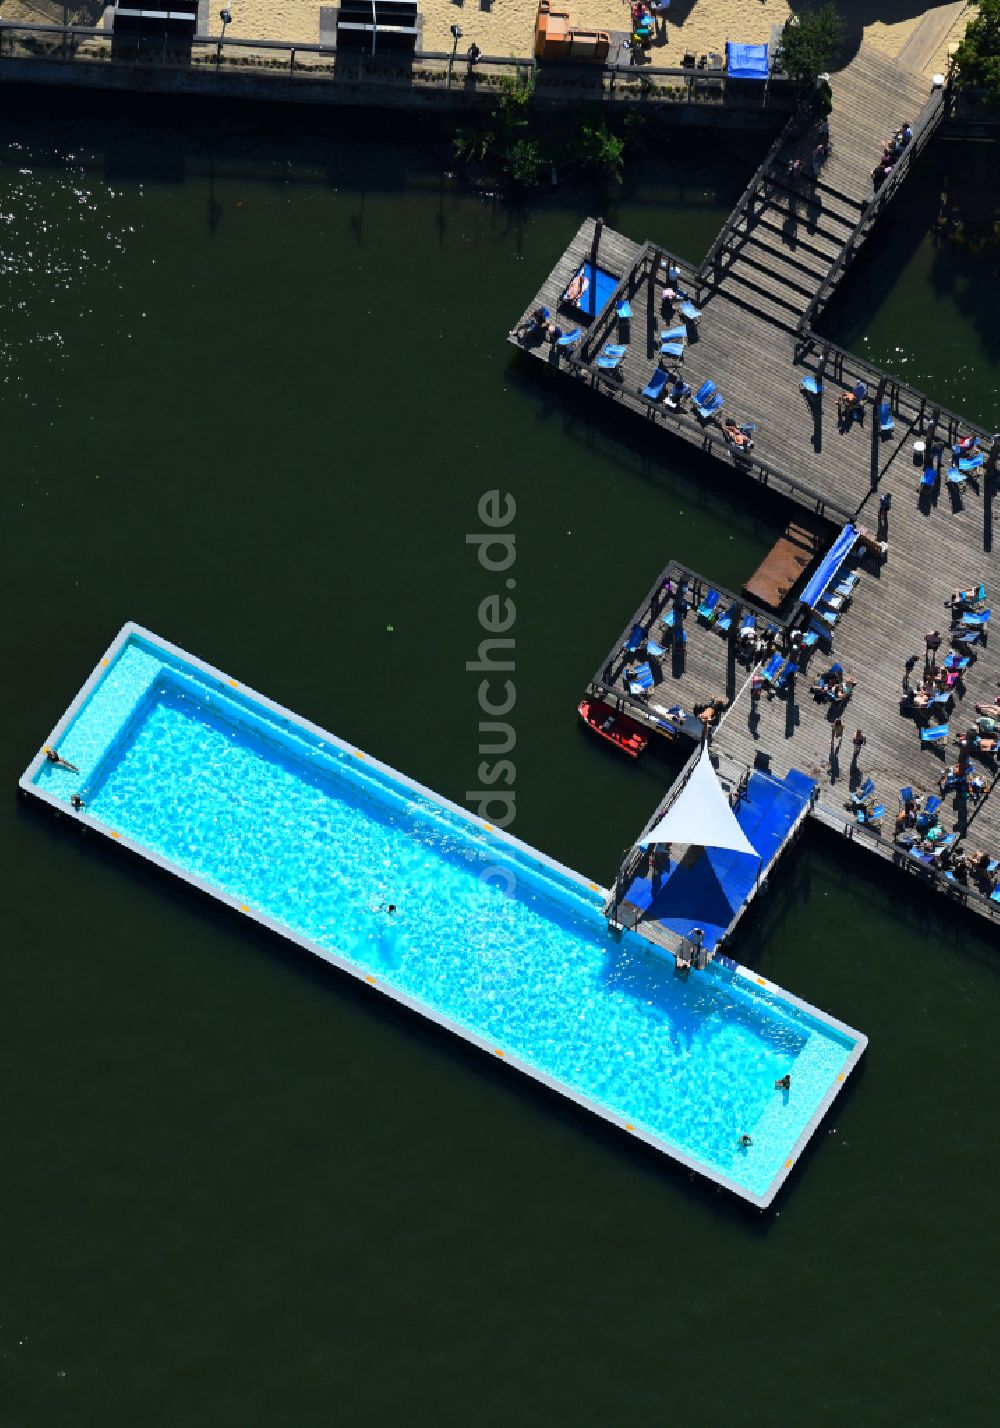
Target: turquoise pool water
[{"x": 488, "y": 937}]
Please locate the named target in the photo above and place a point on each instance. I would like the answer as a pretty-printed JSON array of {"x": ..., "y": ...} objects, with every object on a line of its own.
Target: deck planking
[{"x": 752, "y": 343}]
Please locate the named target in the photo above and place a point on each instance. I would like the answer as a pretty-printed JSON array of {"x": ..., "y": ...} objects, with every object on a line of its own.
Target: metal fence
[{"x": 427, "y": 72}]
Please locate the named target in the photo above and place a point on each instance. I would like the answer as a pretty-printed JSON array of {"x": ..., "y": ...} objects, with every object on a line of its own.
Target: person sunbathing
[
  {"x": 577, "y": 288},
  {"x": 992, "y": 711},
  {"x": 736, "y": 436}
]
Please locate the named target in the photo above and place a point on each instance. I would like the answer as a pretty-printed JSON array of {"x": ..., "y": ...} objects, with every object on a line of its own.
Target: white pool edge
[{"x": 29, "y": 787}]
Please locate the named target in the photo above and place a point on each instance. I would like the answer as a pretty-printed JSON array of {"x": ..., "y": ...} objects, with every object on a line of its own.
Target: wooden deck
[{"x": 752, "y": 342}]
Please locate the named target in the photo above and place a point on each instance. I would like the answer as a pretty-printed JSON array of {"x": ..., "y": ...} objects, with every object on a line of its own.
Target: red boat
[{"x": 617, "y": 728}]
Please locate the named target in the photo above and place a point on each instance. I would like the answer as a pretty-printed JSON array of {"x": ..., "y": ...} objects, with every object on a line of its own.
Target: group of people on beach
[{"x": 891, "y": 152}]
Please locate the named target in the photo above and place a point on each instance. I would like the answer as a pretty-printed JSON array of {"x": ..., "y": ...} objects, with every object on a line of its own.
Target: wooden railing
[
  {"x": 428, "y": 72},
  {"x": 927, "y": 122},
  {"x": 705, "y": 276}
]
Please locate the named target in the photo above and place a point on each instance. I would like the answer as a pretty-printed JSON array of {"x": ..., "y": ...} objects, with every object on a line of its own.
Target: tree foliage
[
  {"x": 978, "y": 54},
  {"x": 810, "y": 41}
]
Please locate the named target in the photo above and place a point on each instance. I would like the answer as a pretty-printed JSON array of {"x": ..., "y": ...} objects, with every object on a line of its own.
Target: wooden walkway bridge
[{"x": 773, "y": 267}]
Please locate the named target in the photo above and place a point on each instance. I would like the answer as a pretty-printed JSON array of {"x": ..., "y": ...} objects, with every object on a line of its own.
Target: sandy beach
[{"x": 506, "y": 27}]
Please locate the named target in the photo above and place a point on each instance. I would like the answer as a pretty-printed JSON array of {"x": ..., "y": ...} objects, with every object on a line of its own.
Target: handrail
[
  {"x": 921, "y": 403},
  {"x": 927, "y": 122},
  {"x": 216, "y": 45},
  {"x": 902, "y": 858},
  {"x": 747, "y": 196}
]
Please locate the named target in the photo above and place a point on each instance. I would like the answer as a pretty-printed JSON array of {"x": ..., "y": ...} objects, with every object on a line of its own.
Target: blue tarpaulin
[
  {"x": 829, "y": 566},
  {"x": 746, "y": 61}
]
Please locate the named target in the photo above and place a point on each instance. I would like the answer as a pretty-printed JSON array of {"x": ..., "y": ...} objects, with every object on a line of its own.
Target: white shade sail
[{"x": 701, "y": 815}]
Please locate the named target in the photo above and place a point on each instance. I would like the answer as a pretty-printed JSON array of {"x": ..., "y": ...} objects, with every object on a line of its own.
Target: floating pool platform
[{"x": 299, "y": 831}]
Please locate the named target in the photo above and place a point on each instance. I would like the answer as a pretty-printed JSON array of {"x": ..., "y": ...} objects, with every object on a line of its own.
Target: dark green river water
[{"x": 252, "y": 390}]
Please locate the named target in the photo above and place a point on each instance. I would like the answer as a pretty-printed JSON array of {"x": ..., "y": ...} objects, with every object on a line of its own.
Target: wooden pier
[{"x": 774, "y": 266}]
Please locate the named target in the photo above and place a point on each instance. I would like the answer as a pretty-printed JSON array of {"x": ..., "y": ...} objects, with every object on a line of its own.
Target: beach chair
[
  {"x": 849, "y": 580},
  {"x": 905, "y": 797},
  {"x": 624, "y": 309},
  {"x": 707, "y": 608},
  {"x": 611, "y": 357},
  {"x": 954, "y": 477},
  {"x": 834, "y": 601},
  {"x": 995, "y": 895},
  {"x": 641, "y": 680},
  {"x": 653, "y": 390},
  {"x": 872, "y": 816},
  {"x": 864, "y": 793},
  {"x": 706, "y": 410},
  {"x": 811, "y": 385},
  {"x": 939, "y": 698},
  {"x": 955, "y": 662},
  {"x": 689, "y": 312},
  {"x": 885, "y": 421},
  {"x": 725, "y": 622},
  {"x": 966, "y": 638},
  {"x": 936, "y": 735},
  {"x": 705, "y": 391},
  {"x": 788, "y": 673},
  {"x": 748, "y": 626},
  {"x": 810, "y": 638},
  {"x": 655, "y": 649},
  {"x": 971, "y": 463},
  {"x": 672, "y": 349},
  {"x": 931, "y": 806},
  {"x": 636, "y": 639},
  {"x": 829, "y": 617},
  {"x": 674, "y": 334},
  {"x": 929, "y": 478},
  {"x": 769, "y": 671},
  {"x": 976, "y": 619},
  {"x": 569, "y": 339}
]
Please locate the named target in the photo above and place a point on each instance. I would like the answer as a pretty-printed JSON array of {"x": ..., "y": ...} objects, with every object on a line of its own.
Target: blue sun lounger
[
  {"x": 708, "y": 405},
  {"x": 905, "y": 796},
  {"x": 862, "y": 794},
  {"x": 885, "y": 421},
  {"x": 641, "y": 680},
  {"x": 789, "y": 672},
  {"x": 672, "y": 349},
  {"x": 956, "y": 477},
  {"x": 930, "y": 808},
  {"x": 674, "y": 334},
  {"x": 653, "y": 390},
  {"x": 953, "y": 661},
  {"x": 875, "y": 816},
  {"x": 654, "y": 649},
  {"x": 636, "y": 639},
  {"x": 971, "y": 463},
  {"x": 569, "y": 339},
  {"x": 725, "y": 622},
  {"x": 748, "y": 625},
  {"x": 930, "y": 476},
  {"x": 771, "y": 668},
  {"x": 689, "y": 312},
  {"x": 936, "y": 735},
  {"x": 707, "y": 608},
  {"x": 939, "y": 698},
  {"x": 975, "y": 619},
  {"x": 624, "y": 309},
  {"x": 611, "y": 356},
  {"x": 812, "y": 385}
]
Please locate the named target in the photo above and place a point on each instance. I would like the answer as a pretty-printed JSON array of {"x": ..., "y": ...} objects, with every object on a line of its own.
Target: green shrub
[
  {"x": 809, "y": 42},
  {"x": 978, "y": 56}
]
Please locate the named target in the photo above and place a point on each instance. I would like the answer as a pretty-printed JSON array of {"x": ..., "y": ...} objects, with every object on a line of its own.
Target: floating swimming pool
[{"x": 490, "y": 939}]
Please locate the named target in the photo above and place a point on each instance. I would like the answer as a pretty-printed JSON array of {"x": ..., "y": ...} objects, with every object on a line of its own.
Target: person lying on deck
[
  {"x": 992, "y": 711},
  {"x": 736, "y": 436},
  {"x": 578, "y": 286}
]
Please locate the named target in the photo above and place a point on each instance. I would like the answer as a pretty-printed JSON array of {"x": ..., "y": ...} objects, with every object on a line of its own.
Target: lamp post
[
  {"x": 456, "y": 35},
  {"x": 226, "y": 16}
]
